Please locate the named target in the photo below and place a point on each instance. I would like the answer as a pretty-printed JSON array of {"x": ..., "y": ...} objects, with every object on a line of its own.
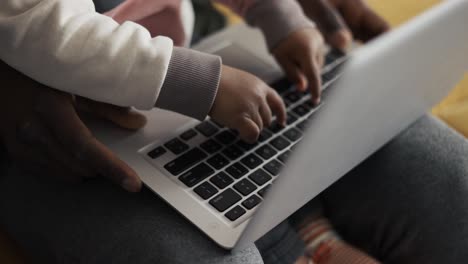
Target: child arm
[
  {"x": 276, "y": 18},
  {"x": 65, "y": 44}
]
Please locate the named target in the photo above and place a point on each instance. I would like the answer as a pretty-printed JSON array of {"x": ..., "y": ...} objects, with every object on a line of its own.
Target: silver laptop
[{"x": 236, "y": 192}]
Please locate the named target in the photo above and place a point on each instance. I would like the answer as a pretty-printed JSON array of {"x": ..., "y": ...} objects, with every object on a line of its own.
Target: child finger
[{"x": 277, "y": 106}]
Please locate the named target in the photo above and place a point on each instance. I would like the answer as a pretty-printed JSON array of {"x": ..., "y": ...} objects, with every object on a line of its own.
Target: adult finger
[
  {"x": 124, "y": 117},
  {"x": 364, "y": 22},
  {"x": 372, "y": 25},
  {"x": 277, "y": 106},
  {"x": 72, "y": 134},
  {"x": 329, "y": 22}
]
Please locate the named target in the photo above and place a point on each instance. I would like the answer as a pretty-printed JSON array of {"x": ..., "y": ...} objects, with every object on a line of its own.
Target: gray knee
[{"x": 408, "y": 202}]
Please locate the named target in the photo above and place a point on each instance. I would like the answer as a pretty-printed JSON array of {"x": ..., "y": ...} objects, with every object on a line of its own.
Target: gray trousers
[{"x": 408, "y": 203}]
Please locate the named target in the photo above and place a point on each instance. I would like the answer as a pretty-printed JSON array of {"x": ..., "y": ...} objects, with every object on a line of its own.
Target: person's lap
[
  {"x": 408, "y": 203},
  {"x": 404, "y": 204},
  {"x": 99, "y": 223}
]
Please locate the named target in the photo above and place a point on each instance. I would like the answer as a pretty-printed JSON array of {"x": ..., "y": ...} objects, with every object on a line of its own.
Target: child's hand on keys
[
  {"x": 246, "y": 104},
  {"x": 301, "y": 55}
]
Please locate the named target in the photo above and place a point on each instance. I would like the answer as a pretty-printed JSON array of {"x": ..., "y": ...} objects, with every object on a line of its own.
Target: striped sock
[{"x": 324, "y": 246}]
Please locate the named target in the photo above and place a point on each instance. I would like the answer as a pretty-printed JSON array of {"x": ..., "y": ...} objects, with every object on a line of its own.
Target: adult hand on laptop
[
  {"x": 42, "y": 132},
  {"x": 341, "y": 20}
]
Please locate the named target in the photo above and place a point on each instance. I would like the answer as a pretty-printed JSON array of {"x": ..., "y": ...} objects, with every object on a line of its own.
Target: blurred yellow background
[{"x": 454, "y": 109}]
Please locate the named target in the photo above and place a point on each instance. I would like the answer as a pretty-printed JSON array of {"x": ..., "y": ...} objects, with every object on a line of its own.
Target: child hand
[
  {"x": 245, "y": 103},
  {"x": 301, "y": 57}
]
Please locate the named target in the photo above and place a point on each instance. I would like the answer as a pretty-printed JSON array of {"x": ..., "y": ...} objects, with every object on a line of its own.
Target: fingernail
[{"x": 131, "y": 185}]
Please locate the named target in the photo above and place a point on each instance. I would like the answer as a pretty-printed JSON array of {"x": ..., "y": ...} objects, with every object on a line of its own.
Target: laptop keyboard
[{"x": 231, "y": 175}]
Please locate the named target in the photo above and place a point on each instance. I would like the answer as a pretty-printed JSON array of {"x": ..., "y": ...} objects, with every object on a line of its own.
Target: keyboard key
[
  {"x": 235, "y": 213},
  {"x": 260, "y": 177},
  {"x": 225, "y": 200},
  {"x": 218, "y": 161},
  {"x": 264, "y": 135},
  {"x": 157, "y": 152},
  {"x": 333, "y": 55},
  {"x": 252, "y": 161},
  {"x": 291, "y": 119},
  {"x": 237, "y": 170},
  {"x": 263, "y": 191},
  {"x": 211, "y": 146},
  {"x": 333, "y": 71},
  {"x": 245, "y": 187},
  {"x": 273, "y": 167},
  {"x": 330, "y": 75},
  {"x": 293, "y": 147},
  {"x": 293, "y": 96},
  {"x": 282, "y": 85},
  {"x": 189, "y": 134},
  {"x": 207, "y": 129},
  {"x": 302, "y": 125},
  {"x": 293, "y": 134},
  {"x": 226, "y": 137},
  {"x": 176, "y": 146},
  {"x": 309, "y": 104},
  {"x": 246, "y": 146},
  {"x": 280, "y": 143},
  {"x": 196, "y": 175},
  {"x": 221, "y": 180},
  {"x": 205, "y": 190},
  {"x": 329, "y": 59},
  {"x": 284, "y": 156},
  {"x": 217, "y": 124},
  {"x": 302, "y": 110},
  {"x": 275, "y": 127},
  {"x": 185, "y": 161},
  {"x": 266, "y": 152},
  {"x": 251, "y": 202},
  {"x": 233, "y": 152}
]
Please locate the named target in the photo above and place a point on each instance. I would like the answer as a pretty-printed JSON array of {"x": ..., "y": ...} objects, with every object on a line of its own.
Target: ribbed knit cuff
[
  {"x": 191, "y": 83},
  {"x": 277, "y": 19}
]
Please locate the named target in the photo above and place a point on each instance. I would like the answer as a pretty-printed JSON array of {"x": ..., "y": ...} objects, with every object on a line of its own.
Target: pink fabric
[{"x": 162, "y": 17}]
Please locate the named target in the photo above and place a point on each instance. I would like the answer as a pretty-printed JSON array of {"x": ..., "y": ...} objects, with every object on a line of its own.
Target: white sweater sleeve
[{"x": 66, "y": 45}]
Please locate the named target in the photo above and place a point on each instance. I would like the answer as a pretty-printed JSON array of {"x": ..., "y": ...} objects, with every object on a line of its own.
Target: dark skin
[
  {"x": 44, "y": 133},
  {"x": 43, "y": 130},
  {"x": 341, "y": 21}
]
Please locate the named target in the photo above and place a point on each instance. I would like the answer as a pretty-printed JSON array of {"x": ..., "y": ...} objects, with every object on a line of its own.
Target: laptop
[{"x": 236, "y": 192}]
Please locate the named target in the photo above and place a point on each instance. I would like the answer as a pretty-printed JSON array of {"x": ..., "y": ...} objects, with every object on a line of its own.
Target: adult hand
[
  {"x": 42, "y": 131},
  {"x": 341, "y": 20}
]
